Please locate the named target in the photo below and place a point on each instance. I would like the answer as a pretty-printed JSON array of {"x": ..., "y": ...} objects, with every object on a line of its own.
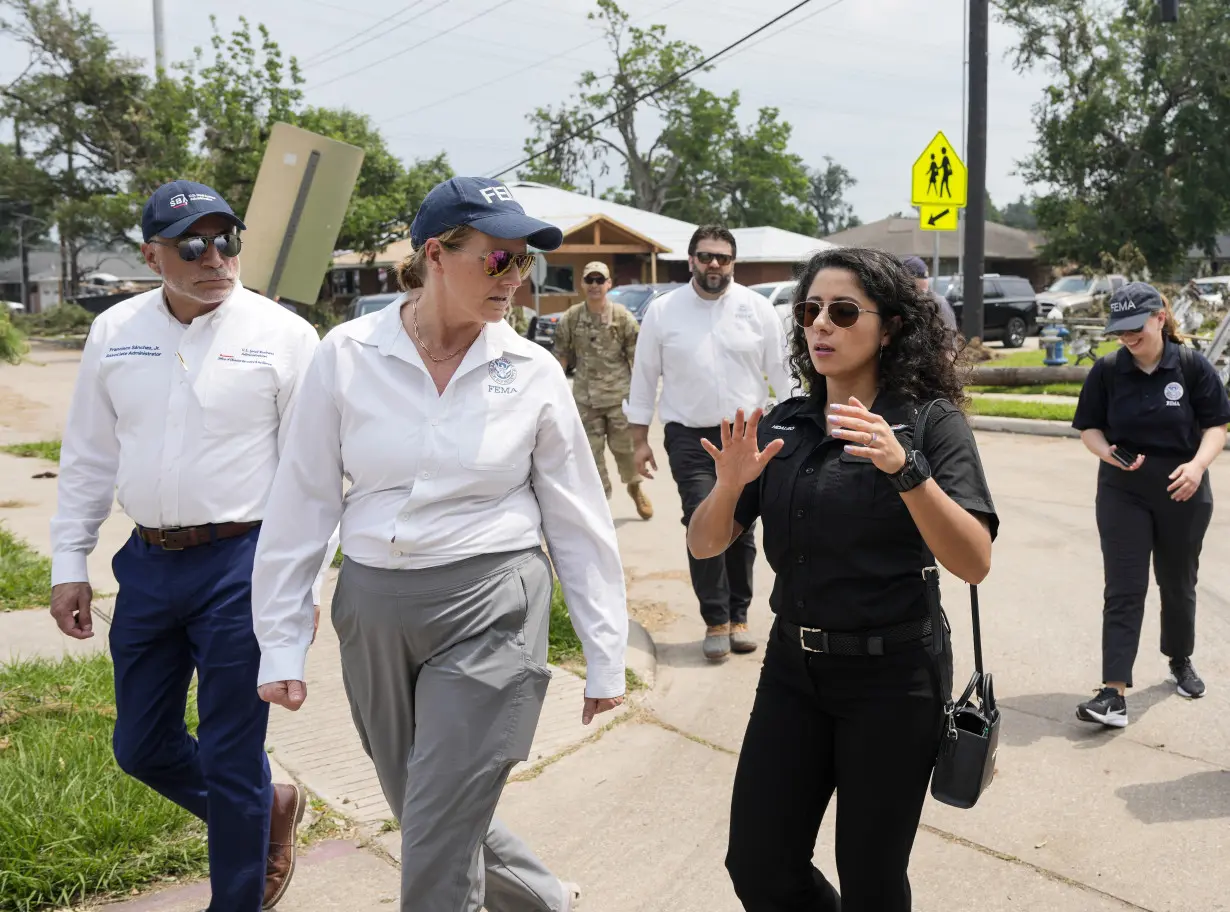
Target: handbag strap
[{"x": 920, "y": 428}]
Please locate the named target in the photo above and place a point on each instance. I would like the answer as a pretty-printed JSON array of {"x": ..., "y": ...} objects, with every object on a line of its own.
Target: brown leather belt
[{"x": 191, "y": 536}]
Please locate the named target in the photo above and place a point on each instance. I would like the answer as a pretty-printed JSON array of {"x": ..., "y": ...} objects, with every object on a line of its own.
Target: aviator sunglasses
[
  {"x": 498, "y": 262},
  {"x": 193, "y": 248},
  {"x": 842, "y": 313}
]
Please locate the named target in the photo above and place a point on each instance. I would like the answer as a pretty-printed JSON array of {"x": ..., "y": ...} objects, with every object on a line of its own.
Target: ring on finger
[{"x": 873, "y": 437}]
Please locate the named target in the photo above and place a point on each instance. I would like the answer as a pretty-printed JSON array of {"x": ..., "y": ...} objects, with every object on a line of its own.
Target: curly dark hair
[{"x": 917, "y": 362}]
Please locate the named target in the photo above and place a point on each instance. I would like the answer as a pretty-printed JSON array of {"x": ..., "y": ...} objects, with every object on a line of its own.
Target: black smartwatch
[{"x": 912, "y": 474}]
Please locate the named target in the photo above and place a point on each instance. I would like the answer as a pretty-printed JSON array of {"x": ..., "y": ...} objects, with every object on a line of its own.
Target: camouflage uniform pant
[{"x": 609, "y": 427}]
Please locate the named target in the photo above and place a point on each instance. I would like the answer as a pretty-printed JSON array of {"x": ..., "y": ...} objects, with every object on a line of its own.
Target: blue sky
[{"x": 865, "y": 81}]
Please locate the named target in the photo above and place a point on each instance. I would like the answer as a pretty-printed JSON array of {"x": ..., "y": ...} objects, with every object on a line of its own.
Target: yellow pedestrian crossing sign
[
  {"x": 937, "y": 218},
  {"x": 939, "y": 177}
]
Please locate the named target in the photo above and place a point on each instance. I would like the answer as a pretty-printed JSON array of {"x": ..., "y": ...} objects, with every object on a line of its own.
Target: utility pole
[
  {"x": 975, "y": 221},
  {"x": 160, "y": 37},
  {"x": 1170, "y": 10},
  {"x": 23, "y": 250}
]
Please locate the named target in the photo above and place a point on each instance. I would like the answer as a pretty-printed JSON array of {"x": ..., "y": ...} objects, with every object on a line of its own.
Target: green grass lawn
[
  {"x": 1046, "y": 389},
  {"x": 72, "y": 825},
  {"x": 1034, "y": 358},
  {"x": 1016, "y": 408},
  {"x": 563, "y": 644},
  {"x": 25, "y": 575},
  {"x": 46, "y": 449}
]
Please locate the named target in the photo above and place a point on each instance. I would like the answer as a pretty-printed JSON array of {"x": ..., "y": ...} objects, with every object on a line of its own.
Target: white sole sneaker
[
  {"x": 572, "y": 896},
  {"x": 1110, "y": 719},
  {"x": 1182, "y": 692}
]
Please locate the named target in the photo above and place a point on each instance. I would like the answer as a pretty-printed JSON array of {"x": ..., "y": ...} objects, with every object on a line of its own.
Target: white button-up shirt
[
  {"x": 491, "y": 465},
  {"x": 184, "y": 423},
  {"x": 711, "y": 356}
]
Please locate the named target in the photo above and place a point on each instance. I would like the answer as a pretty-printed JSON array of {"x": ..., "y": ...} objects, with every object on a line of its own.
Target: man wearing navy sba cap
[{"x": 180, "y": 410}]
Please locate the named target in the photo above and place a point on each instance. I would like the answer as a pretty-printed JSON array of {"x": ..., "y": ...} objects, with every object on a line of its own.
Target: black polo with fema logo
[{"x": 1155, "y": 414}]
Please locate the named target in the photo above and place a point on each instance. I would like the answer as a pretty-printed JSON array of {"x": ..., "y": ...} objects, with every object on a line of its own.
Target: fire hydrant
[{"x": 1052, "y": 337}]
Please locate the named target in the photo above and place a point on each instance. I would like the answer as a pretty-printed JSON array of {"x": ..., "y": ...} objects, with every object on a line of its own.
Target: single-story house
[
  {"x": 638, "y": 247},
  {"x": 1008, "y": 251},
  {"x": 100, "y": 269},
  {"x": 1200, "y": 263}
]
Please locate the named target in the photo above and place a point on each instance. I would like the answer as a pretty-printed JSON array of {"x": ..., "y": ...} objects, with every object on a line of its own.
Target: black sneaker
[
  {"x": 1189, "y": 683},
  {"x": 1108, "y": 707}
]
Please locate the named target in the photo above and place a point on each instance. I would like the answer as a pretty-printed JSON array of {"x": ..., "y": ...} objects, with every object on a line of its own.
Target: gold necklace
[{"x": 414, "y": 313}]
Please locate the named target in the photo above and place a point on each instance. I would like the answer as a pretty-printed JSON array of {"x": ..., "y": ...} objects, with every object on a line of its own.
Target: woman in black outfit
[
  {"x": 850, "y": 697},
  {"x": 1155, "y": 413}
]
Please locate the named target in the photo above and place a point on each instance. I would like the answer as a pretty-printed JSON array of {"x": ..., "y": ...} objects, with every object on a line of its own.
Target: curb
[
  {"x": 1032, "y": 426},
  {"x": 642, "y": 657}
]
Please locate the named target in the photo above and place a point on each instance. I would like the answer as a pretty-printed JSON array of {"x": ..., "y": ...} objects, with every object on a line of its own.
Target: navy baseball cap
[
  {"x": 485, "y": 205},
  {"x": 173, "y": 207},
  {"x": 1132, "y": 305},
  {"x": 915, "y": 267}
]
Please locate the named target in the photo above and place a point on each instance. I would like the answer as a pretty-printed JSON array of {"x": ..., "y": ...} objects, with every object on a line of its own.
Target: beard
[{"x": 712, "y": 282}]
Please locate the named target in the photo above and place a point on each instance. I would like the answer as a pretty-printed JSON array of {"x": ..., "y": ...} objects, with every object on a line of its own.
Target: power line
[
  {"x": 341, "y": 47},
  {"x": 654, "y": 91},
  {"x": 533, "y": 66},
  {"x": 781, "y": 31},
  {"x": 407, "y": 50}
]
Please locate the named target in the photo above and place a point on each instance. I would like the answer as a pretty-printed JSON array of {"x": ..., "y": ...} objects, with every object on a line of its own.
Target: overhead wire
[
  {"x": 655, "y": 90},
  {"x": 407, "y": 50},
  {"x": 346, "y": 45},
  {"x": 505, "y": 77}
]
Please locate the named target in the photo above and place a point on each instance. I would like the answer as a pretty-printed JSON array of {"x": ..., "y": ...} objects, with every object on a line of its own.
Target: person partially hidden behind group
[{"x": 852, "y": 690}]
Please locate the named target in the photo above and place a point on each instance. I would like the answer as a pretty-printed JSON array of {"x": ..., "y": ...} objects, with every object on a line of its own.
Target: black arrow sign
[{"x": 935, "y": 218}]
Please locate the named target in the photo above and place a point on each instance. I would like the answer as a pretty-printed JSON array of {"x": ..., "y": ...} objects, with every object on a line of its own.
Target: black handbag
[{"x": 965, "y": 764}]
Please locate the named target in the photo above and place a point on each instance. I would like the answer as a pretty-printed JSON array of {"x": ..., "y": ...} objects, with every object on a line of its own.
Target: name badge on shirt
[{"x": 133, "y": 351}]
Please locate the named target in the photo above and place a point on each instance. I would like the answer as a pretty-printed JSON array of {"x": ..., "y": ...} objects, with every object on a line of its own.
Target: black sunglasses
[
  {"x": 723, "y": 259},
  {"x": 842, "y": 313},
  {"x": 594, "y": 279},
  {"x": 498, "y": 262},
  {"x": 193, "y": 248}
]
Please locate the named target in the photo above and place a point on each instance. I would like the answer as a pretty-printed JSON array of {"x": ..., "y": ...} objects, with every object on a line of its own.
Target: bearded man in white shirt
[
  {"x": 712, "y": 344},
  {"x": 180, "y": 410}
]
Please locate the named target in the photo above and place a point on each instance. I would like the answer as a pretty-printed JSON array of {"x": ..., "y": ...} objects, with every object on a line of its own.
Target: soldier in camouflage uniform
[{"x": 601, "y": 336}]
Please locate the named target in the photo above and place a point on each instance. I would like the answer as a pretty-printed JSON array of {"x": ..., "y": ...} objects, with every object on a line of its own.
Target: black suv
[{"x": 1009, "y": 309}]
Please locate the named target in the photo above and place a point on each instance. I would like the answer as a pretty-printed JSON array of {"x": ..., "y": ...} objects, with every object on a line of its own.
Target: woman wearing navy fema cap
[
  {"x": 463, "y": 447},
  {"x": 1155, "y": 413}
]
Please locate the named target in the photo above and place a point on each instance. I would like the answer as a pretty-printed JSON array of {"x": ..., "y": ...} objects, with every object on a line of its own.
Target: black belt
[{"x": 880, "y": 641}]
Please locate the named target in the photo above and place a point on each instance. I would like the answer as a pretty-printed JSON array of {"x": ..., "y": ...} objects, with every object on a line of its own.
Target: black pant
[
  {"x": 1136, "y": 517},
  {"x": 867, "y": 727},
  {"x": 723, "y": 584}
]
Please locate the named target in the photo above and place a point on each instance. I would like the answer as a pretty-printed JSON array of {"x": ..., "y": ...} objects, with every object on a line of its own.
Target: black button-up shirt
[
  {"x": 1154, "y": 414},
  {"x": 843, "y": 544}
]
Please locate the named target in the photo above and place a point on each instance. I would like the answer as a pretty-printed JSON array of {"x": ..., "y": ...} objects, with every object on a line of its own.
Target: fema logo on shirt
[
  {"x": 1173, "y": 393},
  {"x": 502, "y": 370}
]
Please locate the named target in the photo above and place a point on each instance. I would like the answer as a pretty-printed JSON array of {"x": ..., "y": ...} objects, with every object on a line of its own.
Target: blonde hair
[
  {"x": 1170, "y": 326},
  {"x": 412, "y": 270}
]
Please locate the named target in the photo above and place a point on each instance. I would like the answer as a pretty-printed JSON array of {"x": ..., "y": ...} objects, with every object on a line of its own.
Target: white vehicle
[
  {"x": 780, "y": 295},
  {"x": 15, "y": 307},
  {"x": 1076, "y": 293},
  {"x": 1213, "y": 289}
]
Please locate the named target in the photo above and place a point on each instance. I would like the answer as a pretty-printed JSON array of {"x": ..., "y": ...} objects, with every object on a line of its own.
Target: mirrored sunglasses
[
  {"x": 842, "y": 314},
  {"x": 498, "y": 262},
  {"x": 193, "y": 248}
]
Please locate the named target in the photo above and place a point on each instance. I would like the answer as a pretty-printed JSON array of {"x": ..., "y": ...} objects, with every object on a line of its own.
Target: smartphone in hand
[{"x": 1123, "y": 456}]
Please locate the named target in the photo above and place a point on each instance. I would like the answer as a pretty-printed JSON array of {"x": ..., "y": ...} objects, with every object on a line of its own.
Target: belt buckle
[
  {"x": 162, "y": 539},
  {"x": 824, "y": 639},
  {"x": 932, "y": 572}
]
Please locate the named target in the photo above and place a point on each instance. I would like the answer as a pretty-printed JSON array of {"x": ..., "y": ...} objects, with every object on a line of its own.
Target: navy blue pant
[{"x": 179, "y": 612}]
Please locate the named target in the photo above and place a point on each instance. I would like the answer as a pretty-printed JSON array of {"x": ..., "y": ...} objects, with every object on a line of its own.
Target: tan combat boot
[{"x": 644, "y": 509}]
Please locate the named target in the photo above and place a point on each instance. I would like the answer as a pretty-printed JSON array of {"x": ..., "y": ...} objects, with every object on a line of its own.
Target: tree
[
  {"x": 1133, "y": 129},
  {"x": 827, "y": 197},
  {"x": 97, "y": 128},
  {"x": 1020, "y": 215},
  {"x": 992, "y": 213},
  {"x": 700, "y": 164}
]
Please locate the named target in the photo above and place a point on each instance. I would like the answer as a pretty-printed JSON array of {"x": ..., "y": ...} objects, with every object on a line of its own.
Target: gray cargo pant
[{"x": 445, "y": 670}]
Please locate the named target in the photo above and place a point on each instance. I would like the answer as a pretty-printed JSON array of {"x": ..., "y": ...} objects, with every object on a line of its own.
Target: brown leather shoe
[
  {"x": 644, "y": 509},
  {"x": 289, "y": 803},
  {"x": 741, "y": 639}
]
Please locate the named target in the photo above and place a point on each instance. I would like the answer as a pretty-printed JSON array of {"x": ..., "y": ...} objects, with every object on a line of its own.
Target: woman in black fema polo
[
  {"x": 850, "y": 697},
  {"x": 1155, "y": 413}
]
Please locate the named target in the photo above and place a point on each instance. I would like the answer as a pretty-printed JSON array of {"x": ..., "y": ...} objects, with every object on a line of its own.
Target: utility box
[{"x": 296, "y": 212}]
